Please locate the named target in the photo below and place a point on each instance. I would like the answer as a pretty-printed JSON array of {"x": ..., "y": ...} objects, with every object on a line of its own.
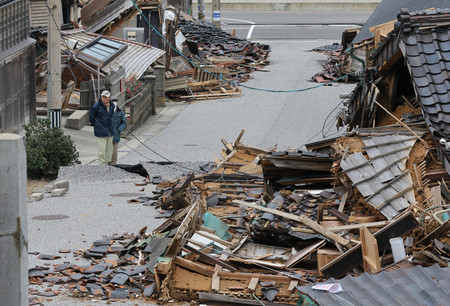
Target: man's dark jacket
[{"x": 101, "y": 119}]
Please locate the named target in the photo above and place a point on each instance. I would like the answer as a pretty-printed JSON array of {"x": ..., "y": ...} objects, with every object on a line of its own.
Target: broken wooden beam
[
  {"x": 436, "y": 234},
  {"x": 194, "y": 266},
  {"x": 302, "y": 219},
  {"x": 353, "y": 257},
  {"x": 210, "y": 259}
]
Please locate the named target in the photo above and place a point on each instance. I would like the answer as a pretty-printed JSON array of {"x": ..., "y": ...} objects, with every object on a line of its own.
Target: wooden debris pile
[
  {"x": 221, "y": 62},
  {"x": 237, "y": 236}
]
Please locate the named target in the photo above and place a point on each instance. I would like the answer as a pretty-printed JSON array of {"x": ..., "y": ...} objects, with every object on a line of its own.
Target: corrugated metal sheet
[
  {"x": 426, "y": 46},
  {"x": 387, "y": 11},
  {"x": 38, "y": 13},
  {"x": 382, "y": 179},
  {"x": 415, "y": 286},
  {"x": 135, "y": 59}
]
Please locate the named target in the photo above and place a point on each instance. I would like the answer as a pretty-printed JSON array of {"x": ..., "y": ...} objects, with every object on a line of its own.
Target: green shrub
[{"x": 48, "y": 149}]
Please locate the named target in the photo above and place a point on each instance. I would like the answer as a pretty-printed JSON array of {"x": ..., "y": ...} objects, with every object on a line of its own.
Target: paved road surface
[
  {"x": 286, "y": 119},
  {"x": 281, "y": 25}
]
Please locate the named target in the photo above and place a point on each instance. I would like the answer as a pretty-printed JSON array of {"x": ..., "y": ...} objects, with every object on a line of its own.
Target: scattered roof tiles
[{"x": 415, "y": 286}]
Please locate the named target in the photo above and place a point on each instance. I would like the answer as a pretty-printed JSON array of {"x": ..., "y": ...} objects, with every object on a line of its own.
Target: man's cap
[
  {"x": 106, "y": 93},
  {"x": 114, "y": 98}
]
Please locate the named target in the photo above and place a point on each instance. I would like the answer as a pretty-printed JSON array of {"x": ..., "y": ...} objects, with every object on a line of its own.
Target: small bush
[{"x": 48, "y": 149}]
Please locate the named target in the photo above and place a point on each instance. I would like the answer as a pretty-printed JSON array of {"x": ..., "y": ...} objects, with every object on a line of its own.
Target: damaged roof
[
  {"x": 382, "y": 179},
  {"x": 105, "y": 13},
  {"x": 425, "y": 44},
  {"x": 387, "y": 11},
  {"x": 135, "y": 59},
  {"x": 415, "y": 286}
]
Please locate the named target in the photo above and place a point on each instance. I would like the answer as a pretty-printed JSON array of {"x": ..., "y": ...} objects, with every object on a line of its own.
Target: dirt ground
[{"x": 33, "y": 184}]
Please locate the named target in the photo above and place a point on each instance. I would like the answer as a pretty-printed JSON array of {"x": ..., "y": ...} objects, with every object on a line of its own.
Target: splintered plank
[
  {"x": 215, "y": 282},
  {"x": 353, "y": 257},
  {"x": 253, "y": 283},
  {"x": 294, "y": 259}
]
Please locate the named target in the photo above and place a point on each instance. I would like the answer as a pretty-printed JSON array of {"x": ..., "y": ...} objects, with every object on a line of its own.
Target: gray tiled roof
[
  {"x": 387, "y": 11},
  {"x": 415, "y": 286},
  {"x": 425, "y": 44}
]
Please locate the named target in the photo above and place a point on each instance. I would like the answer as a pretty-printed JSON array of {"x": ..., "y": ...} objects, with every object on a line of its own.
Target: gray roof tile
[
  {"x": 431, "y": 59},
  {"x": 436, "y": 78},
  {"x": 441, "y": 35},
  {"x": 427, "y": 101},
  {"x": 422, "y": 81},
  {"x": 441, "y": 89},
  {"x": 424, "y": 91},
  {"x": 444, "y": 45},
  {"x": 428, "y": 48},
  {"x": 412, "y": 50},
  {"x": 414, "y": 61},
  {"x": 415, "y": 286},
  {"x": 418, "y": 71},
  {"x": 445, "y": 55}
]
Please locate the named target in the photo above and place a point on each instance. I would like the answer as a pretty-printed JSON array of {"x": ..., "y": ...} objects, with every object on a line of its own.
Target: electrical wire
[
  {"x": 160, "y": 155},
  {"x": 220, "y": 77}
]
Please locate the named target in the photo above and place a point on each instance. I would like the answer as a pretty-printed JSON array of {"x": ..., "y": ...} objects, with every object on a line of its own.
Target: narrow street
[{"x": 285, "y": 119}]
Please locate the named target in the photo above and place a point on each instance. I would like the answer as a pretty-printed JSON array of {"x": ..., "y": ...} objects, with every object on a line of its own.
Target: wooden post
[{"x": 369, "y": 247}]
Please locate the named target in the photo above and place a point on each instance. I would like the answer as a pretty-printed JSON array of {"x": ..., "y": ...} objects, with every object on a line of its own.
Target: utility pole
[
  {"x": 54, "y": 63},
  {"x": 216, "y": 13},
  {"x": 201, "y": 10}
]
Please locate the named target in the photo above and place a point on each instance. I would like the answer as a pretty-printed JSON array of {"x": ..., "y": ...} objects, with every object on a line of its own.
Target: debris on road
[
  {"x": 253, "y": 229},
  {"x": 305, "y": 226},
  {"x": 221, "y": 60}
]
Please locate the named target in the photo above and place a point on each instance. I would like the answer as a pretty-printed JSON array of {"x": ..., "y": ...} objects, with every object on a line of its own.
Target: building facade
[{"x": 17, "y": 71}]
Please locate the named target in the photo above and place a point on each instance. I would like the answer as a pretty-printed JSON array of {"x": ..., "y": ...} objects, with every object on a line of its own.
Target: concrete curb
[{"x": 292, "y": 5}]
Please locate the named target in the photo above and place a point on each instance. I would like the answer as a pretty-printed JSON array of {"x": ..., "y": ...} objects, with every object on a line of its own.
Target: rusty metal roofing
[
  {"x": 38, "y": 13},
  {"x": 135, "y": 59},
  {"x": 425, "y": 44},
  {"x": 387, "y": 11},
  {"x": 415, "y": 286},
  {"x": 382, "y": 179}
]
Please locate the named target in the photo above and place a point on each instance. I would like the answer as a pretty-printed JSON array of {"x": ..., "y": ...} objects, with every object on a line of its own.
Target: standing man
[
  {"x": 119, "y": 122},
  {"x": 100, "y": 117}
]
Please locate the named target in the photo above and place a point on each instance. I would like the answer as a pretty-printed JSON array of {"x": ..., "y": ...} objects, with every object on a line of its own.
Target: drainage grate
[
  {"x": 50, "y": 217},
  {"x": 129, "y": 194}
]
